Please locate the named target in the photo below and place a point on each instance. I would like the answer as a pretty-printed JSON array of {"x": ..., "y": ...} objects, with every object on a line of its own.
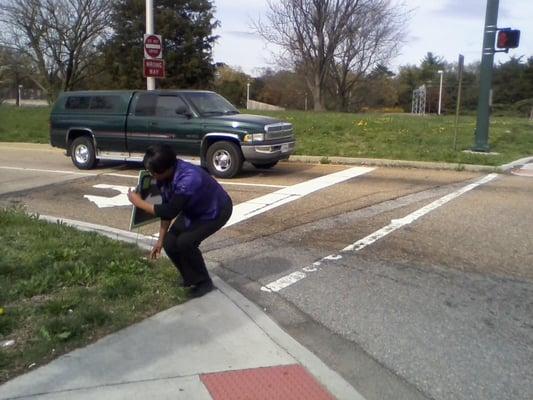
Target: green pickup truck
[{"x": 120, "y": 125}]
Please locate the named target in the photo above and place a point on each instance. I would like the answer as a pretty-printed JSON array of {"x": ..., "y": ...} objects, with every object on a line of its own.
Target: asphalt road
[{"x": 434, "y": 300}]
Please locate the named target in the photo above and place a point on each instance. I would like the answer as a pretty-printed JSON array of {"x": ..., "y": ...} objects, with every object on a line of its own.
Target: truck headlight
[{"x": 254, "y": 137}]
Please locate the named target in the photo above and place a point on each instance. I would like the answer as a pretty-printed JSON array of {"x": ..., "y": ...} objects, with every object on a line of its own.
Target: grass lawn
[
  {"x": 61, "y": 289},
  {"x": 406, "y": 137},
  {"x": 24, "y": 124},
  {"x": 398, "y": 136}
]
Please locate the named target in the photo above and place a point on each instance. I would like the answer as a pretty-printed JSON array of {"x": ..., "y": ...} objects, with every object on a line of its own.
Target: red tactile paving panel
[{"x": 290, "y": 382}]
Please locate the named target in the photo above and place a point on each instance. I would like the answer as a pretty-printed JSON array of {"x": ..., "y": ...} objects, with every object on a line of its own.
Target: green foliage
[
  {"x": 186, "y": 28},
  {"x": 513, "y": 81},
  {"x": 231, "y": 84},
  {"x": 282, "y": 88},
  {"x": 61, "y": 288}
]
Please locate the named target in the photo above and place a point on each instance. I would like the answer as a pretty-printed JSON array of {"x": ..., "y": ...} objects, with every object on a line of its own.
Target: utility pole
[
  {"x": 248, "y": 95},
  {"x": 485, "y": 83},
  {"x": 150, "y": 82}
]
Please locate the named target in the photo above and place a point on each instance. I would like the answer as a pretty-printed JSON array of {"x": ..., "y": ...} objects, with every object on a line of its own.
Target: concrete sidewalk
[{"x": 220, "y": 346}]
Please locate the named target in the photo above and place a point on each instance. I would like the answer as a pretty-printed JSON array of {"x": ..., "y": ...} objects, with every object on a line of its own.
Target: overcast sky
[{"x": 445, "y": 27}]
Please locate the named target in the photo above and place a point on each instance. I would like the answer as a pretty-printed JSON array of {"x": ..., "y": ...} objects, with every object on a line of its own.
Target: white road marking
[
  {"x": 120, "y": 200},
  {"x": 221, "y": 182},
  {"x": 251, "y": 184},
  {"x": 53, "y": 171},
  {"x": 395, "y": 224},
  {"x": 525, "y": 170},
  {"x": 250, "y": 208}
]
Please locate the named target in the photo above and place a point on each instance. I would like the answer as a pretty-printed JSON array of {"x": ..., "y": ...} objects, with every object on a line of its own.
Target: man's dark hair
[{"x": 159, "y": 158}]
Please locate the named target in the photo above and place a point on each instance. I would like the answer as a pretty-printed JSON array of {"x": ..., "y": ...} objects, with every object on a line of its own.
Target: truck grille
[{"x": 278, "y": 131}]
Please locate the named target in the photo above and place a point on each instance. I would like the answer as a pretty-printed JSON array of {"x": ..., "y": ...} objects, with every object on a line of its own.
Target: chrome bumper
[{"x": 268, "y": 152}]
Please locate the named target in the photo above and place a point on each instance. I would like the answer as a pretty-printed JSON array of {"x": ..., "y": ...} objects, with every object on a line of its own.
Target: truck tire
[
  {"x": 265, "y": 166},
  {"x": 82, "y": 153},
  {"x": 224, "y": 159}
]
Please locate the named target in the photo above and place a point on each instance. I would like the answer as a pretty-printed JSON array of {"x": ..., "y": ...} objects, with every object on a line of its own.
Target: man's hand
[{"x": 156, "y": 251}]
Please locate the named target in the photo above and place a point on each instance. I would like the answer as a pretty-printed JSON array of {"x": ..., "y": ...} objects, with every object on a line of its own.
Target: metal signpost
[
  {"x": 153, "y": 64},
  {"x": 460, "y": 70}
]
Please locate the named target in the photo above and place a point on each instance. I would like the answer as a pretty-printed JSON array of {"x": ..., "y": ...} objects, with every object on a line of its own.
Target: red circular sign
[{"x": 152, "y": 46}]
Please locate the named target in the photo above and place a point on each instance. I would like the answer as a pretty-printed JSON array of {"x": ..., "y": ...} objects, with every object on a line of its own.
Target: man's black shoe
[{"x": 202, "y": 288}]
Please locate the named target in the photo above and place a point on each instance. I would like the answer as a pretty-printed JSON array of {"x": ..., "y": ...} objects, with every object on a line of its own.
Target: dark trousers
[{"x": 181, "y": 245}]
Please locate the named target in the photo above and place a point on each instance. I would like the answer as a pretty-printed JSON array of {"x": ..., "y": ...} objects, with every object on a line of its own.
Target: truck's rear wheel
[
  {"x": 224, "y": 159},
  {"x": 82, "y": 153}
]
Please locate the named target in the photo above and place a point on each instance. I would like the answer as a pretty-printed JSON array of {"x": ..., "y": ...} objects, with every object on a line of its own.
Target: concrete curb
[
  {"x": 378, "y": 162},
  {"x": 516, "y": 164},
  {"x": 396, "y": 163},
  {"x": 337, "y": 385}
]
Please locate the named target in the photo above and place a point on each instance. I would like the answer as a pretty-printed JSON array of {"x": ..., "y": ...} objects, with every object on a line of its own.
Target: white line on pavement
[
  {"x": 55, "y": 171},
  {"x": 251, "y": 184},
  {"x": 221, "y": 182},
  {"x": 395, "y": 224},
  {"x": 250, "y": 208}
]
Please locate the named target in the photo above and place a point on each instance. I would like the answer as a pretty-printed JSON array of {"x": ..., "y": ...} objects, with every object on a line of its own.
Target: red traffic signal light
[{"x": 508, "y": 39}]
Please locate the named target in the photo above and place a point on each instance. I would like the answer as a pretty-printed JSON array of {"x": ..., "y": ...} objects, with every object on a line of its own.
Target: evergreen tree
[
  {"x": 186, "y": 28},
  {"x": 508, "y": 81}
]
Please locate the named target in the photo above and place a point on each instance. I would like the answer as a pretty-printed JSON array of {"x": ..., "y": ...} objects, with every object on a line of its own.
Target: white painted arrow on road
[{"x": 120, "y": 200}]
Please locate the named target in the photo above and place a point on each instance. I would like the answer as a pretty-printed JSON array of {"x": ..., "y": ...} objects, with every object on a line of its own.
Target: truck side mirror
[{"x": 183, "y": 110}]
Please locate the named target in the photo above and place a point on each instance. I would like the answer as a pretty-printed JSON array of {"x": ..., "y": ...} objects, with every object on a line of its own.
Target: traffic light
[{"x": 508, "y": 39}]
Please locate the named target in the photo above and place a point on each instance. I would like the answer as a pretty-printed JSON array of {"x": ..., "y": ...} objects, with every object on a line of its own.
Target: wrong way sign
[
  {"x": 153, "y": 47},
  {"x": 153, "y": 68}
]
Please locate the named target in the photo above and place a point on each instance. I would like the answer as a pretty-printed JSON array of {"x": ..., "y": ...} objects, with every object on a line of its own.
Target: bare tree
[
  {"x": 309, "y": 33},
  {"x": 12, "y": 72},
  {"x": 331, "y": 38},
  {"x": 373, "y": 36},
  {"x": 60, "y": 37}
]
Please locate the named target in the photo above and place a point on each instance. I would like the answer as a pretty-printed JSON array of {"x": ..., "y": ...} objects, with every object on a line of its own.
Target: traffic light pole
[{"x": 485, "y": 83}]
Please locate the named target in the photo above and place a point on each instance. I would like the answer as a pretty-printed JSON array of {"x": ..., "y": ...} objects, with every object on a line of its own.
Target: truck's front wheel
[
  {"x": 82, "y": 153},
  {"x": 224, "y": 159}
]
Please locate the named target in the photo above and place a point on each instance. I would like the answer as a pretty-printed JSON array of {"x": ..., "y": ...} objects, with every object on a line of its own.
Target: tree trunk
[{"x": 318, "y": 95}]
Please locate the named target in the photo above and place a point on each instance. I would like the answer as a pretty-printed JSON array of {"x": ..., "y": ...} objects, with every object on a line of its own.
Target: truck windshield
[{"x": 211, "y": 104}]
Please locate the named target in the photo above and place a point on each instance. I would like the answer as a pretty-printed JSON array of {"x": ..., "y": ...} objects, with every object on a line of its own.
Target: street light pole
[
  {"x": 247, "y": 95},
  {"x": 485, "y": 79},
  {"x": 440, "y": 90},
  {"x": 150, "y": 82}
]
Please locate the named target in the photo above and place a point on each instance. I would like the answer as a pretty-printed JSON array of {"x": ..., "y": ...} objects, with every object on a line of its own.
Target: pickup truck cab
[{"x": 120, "y": 125}]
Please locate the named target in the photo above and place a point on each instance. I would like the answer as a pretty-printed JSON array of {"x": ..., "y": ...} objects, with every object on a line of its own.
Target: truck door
[{"x": 165, "y": 119}]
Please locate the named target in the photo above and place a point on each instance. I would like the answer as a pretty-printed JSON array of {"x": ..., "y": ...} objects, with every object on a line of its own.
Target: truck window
[
  {"x": 104, "y": 103},
  {"x": 167, "y": 106},
  {"x": 145, "y": 105},
  {"x": 208, "y": 103},
  {"x": 77, "y": 103}
]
